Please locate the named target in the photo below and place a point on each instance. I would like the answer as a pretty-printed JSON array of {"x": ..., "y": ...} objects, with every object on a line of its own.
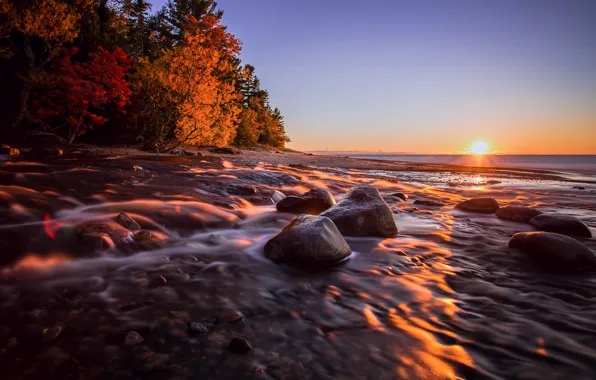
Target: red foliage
[{"x": 76, "y": 90}]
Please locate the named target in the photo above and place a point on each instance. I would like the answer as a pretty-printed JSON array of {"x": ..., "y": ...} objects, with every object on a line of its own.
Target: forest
[{"x": 119, "y": 71}]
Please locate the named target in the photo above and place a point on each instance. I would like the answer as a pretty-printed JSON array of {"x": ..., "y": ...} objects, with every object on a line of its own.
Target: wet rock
[
  {"x": 579, "y": 187},
  {"x": 229, "y": 316},
  {"x": 183, "y": 152},
  {"x": 132, "y": 338},
  {"x": 147, "y": 361},
  {"x": 239, "y": 346},
  {"x": 114, "y": 230},
  {"x": 428, "y": 202},
  {"x": 47, "y": 152},
  {"x": 312, "y": 202},
  {"x": 480, "y": 205},
  {"x": 97, "y": 241},
  {"x": 51, "y": 333},
  {"x": 493, "y": 182},
  {"x": 197, "y": 328},
  {"x": 558, "y": 251},
  {"x": 142, "y": 236},
  {"x": 6, "y": 149},
  {"x": 127, "y": 222},
  {"x": 310, "y": 241},
  {"x": 401, "y": 196},
  {"x": 561, "y": 224},
  {"x": 224, "y": 151},
  {"x": 517, "y": 213},
  {"x": 362, "y": 212}
]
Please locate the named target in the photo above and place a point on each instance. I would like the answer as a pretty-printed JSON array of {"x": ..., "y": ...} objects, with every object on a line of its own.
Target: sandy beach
[{"x": 445, "y": 298}]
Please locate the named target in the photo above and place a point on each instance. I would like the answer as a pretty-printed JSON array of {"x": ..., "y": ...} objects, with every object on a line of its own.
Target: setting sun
[{"x": 479, "y": 147}]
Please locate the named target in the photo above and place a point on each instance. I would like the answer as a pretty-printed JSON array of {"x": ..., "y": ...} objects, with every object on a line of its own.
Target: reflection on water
[{"x": 445, "y": 299}]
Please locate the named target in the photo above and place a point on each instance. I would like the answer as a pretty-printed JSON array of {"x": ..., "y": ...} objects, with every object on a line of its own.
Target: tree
[
  {"x": 76, "y": 91},
  {"x": 38, "y": 31},
  {"x": 189, "y": 99},
  {"x": 258, "y": 122}
]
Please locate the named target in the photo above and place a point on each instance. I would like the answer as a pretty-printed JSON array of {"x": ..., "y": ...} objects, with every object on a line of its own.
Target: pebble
[
  {"x": 132, "y": 338},
  {"x": 197, "y": 327},
  {"x": 239, "y": 346}
]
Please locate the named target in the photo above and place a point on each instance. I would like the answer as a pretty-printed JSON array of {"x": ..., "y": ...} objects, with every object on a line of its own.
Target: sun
[{"x": 479, "y": 147}]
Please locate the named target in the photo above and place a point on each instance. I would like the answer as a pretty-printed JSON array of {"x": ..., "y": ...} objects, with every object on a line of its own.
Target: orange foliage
[{"x": 187, "y": 83}]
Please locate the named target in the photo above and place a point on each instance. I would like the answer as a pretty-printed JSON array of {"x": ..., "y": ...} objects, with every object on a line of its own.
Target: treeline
[{"x": 115, "y": 71}]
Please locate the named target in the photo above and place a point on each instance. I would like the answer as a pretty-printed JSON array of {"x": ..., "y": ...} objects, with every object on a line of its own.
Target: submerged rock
[
  {"x": 127, "y": 222},
  {"x": 558, "y": 251},
  {"x": 401, "y": 196},
  {"x": 481, "y": 205},
  {"x": 428, "y": 202},
  {"x": 562, "y": 224},
  {"x": 362, "y": 212},
  {"x": 313, "y": 202},
  {"x": 311, "y": 241},
  {"x": 113, "y": 230},
  {"x": 517, "y": 213}
]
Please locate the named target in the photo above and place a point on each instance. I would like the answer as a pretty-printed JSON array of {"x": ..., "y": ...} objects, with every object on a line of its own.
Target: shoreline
[{"x": 418, "y": 303}]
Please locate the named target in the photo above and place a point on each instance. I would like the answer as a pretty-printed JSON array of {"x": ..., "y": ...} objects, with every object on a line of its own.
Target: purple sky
[{"x": 426, "y": 76}]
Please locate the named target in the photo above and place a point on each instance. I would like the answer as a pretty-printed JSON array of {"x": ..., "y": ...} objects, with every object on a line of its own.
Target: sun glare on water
[{"x": 479, "y": 147}]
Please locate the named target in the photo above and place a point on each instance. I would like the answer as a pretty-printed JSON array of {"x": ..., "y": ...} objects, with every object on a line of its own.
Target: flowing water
[{"x": 444, "y": 299}]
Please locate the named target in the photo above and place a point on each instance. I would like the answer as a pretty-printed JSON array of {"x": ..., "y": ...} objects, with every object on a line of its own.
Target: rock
[
  {"x": 183, "y": 152},
  {"x": 312, "y": 241},
  {"x": 127, "y": 222},
  {"x": 239, "y": 346},
  {"x": 114, "y": 230},
  {"x": 132, "y": 338},
  {"x": 313, "y": 202},
  {"x": 493, "y": 182},
  {"x": 142, "y": 236},
  {"x": 7, "y": 149},
  {"x": 147, "y": 361},
  {"x": 428, "y": 202},
  {"x": 97, "y": 241},
  {"x": 229, "y": 316},
  {"x": 362, "y": 212},
  {"x": 558, "y": 251},
  {"x": 561, "y": 224},
  {"x": 46, "y": 152},
  {"x": 517, "y": 213},
  {"x": 197, "y": 328},
  {"x": 579, "y": 187},
  {"x": 481, "y": 205},
  {"x": 224, "y": 151},
  {"x": 51, "y": 334},
  {"x": 401, "y": 196}
]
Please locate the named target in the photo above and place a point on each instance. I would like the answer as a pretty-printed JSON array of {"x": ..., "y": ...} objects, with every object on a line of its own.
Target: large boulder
[
  {"x": 517, "y": 213},
  {"x": 363, "y": 212},
  {"x": 480, "y": 205},
  {"x": 312, "y": 202},
  {"x": 561, "y": 224},
  {"x": 557, "y": 251},
  {"x": 311, "y": 241}
]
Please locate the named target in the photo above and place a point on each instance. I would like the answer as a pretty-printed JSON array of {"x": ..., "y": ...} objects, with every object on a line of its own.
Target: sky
[{"x": 424, "y": 76}]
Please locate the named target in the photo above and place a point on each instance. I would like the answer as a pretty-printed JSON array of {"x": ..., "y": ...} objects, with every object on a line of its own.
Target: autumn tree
[
  {"x": 38, "y": 29},
  {"x": 75, "y": 92},
  {"x": 187, "y": 98},
  {"x": 258, "y": 122}
]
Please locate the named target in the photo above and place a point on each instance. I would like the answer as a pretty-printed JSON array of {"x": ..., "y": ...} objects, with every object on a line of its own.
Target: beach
[{"x": 445, "y": 298}]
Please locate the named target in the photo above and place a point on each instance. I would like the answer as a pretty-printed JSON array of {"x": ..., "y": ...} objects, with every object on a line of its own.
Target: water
[
  {"x": 579, "y": 163},
  {"x": 444, "y": 299}
]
